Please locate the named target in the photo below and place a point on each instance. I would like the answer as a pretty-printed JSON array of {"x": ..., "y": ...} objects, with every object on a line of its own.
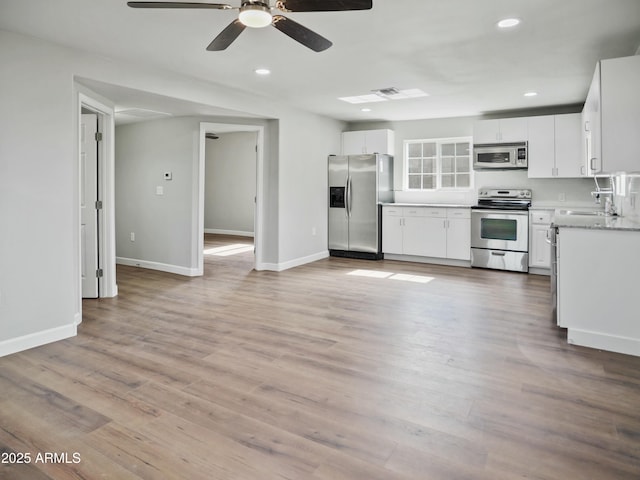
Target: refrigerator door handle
[{"x": 348, "y": 196}]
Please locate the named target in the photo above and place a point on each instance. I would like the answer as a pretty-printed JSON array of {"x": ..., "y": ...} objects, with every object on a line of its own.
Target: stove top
[{"x": 504, "y": 199}]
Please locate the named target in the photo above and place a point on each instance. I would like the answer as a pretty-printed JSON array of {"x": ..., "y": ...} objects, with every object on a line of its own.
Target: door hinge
[
  {"x": 99, "y": 205},
  {"x": 98, "y": 136},
  {"x": 99, "y": 273}
]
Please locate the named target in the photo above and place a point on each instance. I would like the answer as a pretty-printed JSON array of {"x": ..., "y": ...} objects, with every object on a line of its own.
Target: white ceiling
[{"x": 450, "y": 49}]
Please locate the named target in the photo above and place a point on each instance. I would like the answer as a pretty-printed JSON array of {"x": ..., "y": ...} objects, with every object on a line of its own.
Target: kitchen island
[{"x": 598, "y": 263}]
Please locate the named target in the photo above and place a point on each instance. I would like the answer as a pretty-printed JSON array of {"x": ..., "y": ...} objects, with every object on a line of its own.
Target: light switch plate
[{"x": 159, "y": 190}]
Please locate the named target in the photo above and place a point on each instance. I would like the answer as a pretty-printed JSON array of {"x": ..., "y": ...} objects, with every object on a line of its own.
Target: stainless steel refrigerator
[{"x": 358, "y": 185}]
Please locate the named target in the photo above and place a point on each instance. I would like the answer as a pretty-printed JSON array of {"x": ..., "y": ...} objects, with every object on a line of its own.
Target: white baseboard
[
  {"x": 163, "y": 267},
  {"x": 237, "y": 233},
  {"x": 32, "y": 340},
  {"x": 540, "y": 271},
  {"x": 433, "y": 260},
  {"x": 602, "y": 341},
  {"x": 279, "y": 267}
]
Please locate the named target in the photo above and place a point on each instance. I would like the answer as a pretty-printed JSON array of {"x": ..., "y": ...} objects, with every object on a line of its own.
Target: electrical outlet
[
  {"x": 133, "y": 236},
  {"x": 313, "y": 231},
  {"x": 562, "y": 197},
  {"x": 159, "y": 190}
]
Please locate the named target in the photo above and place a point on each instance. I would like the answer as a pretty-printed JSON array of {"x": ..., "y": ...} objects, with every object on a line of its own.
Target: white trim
[
  {"x": 198, "y": 187},
  {"x": 603, "y": 341},
  {"x": 32, "y": 340},
  {"x": 162, "y": 267},
  {"x": 237, "y": 233},
  {"x": 92, "y": 101},
  {"x": 296, "y": 262},
  {"x": 438, "y": 158},
  {"x": 432, "y": 260}
]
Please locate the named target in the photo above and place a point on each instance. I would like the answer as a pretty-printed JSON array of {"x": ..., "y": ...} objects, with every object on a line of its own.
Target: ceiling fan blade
[
  {"x": 301, "y": 34},
  {"x": 215, "y": 6},
  {"x": 323, "y": 5},
  {"x": 226, "y": 36}
]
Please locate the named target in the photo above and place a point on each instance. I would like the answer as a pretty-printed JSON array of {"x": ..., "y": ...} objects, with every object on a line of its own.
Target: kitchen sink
[{"x": 589, "y": 213}]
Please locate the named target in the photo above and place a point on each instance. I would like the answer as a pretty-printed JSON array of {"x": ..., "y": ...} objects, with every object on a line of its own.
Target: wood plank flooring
[{"x": 338, "y": 370}]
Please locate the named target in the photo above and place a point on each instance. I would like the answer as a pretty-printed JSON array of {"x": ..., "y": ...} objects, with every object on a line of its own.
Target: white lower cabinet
[
  {"x": 598, "y": 288},
  {"x": 427, "y": 232},
  {"x": 539, "y": 246},
  {"x": 459, "y": 233},
  {"x": 392, "y": 229}
]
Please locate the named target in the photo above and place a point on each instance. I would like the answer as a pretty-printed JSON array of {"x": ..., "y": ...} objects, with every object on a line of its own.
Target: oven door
[{"x": 500, "y": 230}]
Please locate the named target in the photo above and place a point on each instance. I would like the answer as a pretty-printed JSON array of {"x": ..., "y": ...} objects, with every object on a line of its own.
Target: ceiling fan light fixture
[{"x": 255, "y": 15}]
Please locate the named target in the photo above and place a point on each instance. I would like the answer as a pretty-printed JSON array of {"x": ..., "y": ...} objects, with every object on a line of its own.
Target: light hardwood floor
[{"x": 321, "y": 372}]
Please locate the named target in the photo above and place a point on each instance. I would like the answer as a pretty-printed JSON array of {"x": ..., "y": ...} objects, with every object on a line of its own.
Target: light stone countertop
[
  {"x": 596, "y": 222},
  {"x": 436, "y": 205}
]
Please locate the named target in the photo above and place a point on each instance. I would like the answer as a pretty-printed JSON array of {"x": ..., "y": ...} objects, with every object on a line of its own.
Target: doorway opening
[
  {"x": 96, "y": 229},
  {"x": 231, "y": 177},
  {"x": 230, "y": 193}
]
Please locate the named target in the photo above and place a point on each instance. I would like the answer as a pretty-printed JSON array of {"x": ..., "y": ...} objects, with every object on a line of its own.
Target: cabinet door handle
[
  {"x": 582, "y": 170},
  {"x": 586, "y": 126}
]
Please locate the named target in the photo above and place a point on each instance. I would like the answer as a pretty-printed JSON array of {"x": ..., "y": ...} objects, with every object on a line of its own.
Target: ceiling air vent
[{"x": 387, "y": 92}]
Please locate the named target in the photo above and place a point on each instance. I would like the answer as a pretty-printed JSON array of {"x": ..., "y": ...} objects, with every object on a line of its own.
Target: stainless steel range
[{"x": 500, "y": 229}]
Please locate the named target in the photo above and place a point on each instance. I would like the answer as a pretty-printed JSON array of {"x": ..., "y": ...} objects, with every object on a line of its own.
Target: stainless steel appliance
[
  {"x": 552, "y": 238},
  {"x": 500, "y": 156},
  {"x": 500, "y": 229},
  {"x": 358, "y": 185}
]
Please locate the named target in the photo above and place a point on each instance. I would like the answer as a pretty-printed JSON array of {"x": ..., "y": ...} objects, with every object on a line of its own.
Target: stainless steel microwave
[{"x": 500, "y": 156}]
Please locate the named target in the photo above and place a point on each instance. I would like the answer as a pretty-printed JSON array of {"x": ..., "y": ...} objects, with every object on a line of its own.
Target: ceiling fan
[{"x": 259, "y": 14}]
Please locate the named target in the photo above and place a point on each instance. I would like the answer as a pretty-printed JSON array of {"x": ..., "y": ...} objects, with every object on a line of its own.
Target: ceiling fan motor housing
[{"x": 255, "y": 14}]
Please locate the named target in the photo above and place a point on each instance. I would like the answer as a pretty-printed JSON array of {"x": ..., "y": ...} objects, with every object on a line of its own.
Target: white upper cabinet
[
  {"x": 368, "y": 141},
  {"x": 500, "y": 131},
  {"x": 541, "y": 148},
  {"x": 611, "y": 118},
  {"x": 568, "y": 148},
  {"x": 554, "y": 146}
]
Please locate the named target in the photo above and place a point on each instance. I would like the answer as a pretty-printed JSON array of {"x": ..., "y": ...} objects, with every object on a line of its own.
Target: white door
[{"x": 88, "y": 210}]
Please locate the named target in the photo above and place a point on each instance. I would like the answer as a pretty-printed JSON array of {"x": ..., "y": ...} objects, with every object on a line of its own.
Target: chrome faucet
[{"x": 609, "y": 204}]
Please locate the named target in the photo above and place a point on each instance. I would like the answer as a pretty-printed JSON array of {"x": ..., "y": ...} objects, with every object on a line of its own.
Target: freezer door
[
  {"x": 338, "y": 221},
  {"x": 362, "y": 204}
]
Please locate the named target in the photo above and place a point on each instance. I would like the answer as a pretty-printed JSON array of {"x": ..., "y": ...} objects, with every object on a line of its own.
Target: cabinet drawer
[
  {"x": 459, "y": 213},
  {"x": 413, "y": 211},
  {"x": 435, "y": 212},
  {"x": 541, "y": 217},
  {"x": 392, "y": 211}
]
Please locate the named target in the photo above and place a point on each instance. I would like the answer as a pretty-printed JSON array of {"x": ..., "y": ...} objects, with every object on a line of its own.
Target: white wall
[
  {"x": 162, "y": 224},
  {"x": 230, "y": 183},
  {"x": 303, "y": 192},
  {"x": 39, "y": 267},
  {"x": 39, "y": 187},
  {"x": 545, "y": 191}
]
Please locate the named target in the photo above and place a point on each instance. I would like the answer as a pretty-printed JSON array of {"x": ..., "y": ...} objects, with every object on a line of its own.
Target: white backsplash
[
  {"x": 627, "y": 201},
  {"x": 555, "y": 192}
]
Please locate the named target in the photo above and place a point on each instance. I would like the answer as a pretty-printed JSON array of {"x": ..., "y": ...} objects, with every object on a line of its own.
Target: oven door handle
[{"x": 501, "y": 211}]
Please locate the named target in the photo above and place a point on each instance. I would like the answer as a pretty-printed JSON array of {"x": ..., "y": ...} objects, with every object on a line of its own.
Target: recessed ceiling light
[
  {"x": 531, "y": 94},
  {"x": 508, "y": 22},
  {"x": 365, "y": 109},
  {"x": 262, "y": 71}
]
